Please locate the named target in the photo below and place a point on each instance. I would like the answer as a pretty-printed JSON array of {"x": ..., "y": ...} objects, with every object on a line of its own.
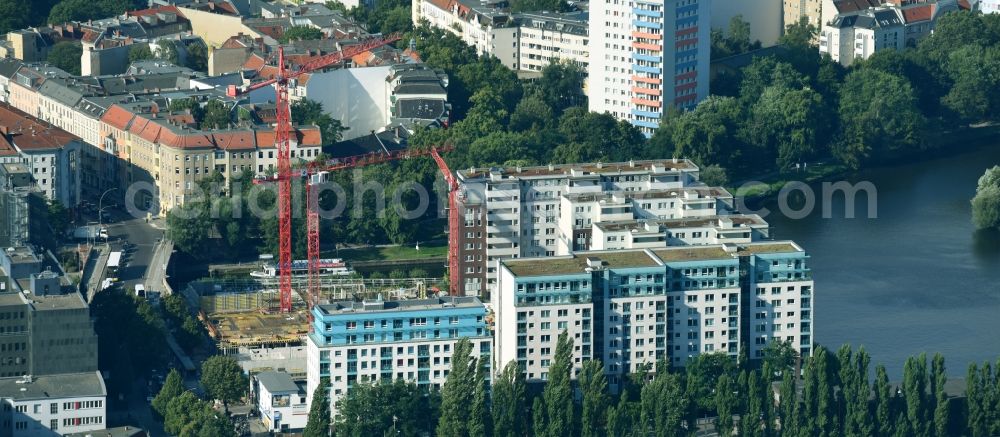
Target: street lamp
[{"x": 100, "y": 209}]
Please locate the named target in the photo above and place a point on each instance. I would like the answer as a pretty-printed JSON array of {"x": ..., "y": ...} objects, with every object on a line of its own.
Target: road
[{"x": 142, "y": 263}]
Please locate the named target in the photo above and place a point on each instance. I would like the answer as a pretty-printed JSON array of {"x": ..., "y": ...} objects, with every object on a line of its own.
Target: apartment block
[
  {"x": 53, "y": 404},
  {"x": 51, "y": 155},
  {"x": 649, "y": 56},
  {"x": 633, "y": 307},
  {"x": 164, "y": 150},
  {"x": 551, "y": 210},
  {"x": 533, "y": 40},
  {"x": 378, "y": 340},
  {"x": 521, "y": 41},
  {"x": 856, "y": 29}
]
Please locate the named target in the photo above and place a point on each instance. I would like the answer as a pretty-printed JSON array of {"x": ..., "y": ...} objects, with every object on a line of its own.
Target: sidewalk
[{"x": 156, "y": 272}]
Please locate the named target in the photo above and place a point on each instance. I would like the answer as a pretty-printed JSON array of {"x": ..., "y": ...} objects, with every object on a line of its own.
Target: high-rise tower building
[{"x": 648, "y": 56}]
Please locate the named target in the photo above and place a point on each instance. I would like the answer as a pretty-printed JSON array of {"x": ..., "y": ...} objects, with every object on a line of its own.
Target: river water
[{"x": 918, "y": 278}]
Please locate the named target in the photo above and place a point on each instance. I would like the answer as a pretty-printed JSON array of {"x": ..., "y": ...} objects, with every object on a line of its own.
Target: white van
[{"x": 140, "y": 290}]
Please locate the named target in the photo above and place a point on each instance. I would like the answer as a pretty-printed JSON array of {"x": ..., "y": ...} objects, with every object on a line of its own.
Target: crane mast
[{"x": 282, "y": 142}]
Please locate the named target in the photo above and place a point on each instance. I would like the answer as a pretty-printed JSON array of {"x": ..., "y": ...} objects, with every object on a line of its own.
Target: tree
[
  {"x": 708, "y": 134},
  {"x": 663, "y": 406},
  {"x": 306, "y": 112},
  {"x": 788, "y": 405},
  {"x": 215, "y": 425},
  {"x": 58, "y": 217},
  {"x": 458, "y": 392},
  {"x": 197, "y": 56},
  {"x": 217, "y": 115},
  {"x": 938, "y": 380},
  {"x": 183, "y": 412},
  {"x": 621, "y": 417},
  {"x": 713, "y": 175},
  {"x": 977, "y": 397},
  {"x": 510, "y": 408},
  {"x": 318, "y": 424},
  {"x": 223, "y": 379},
  {"x": 16, "y": 14},
  {"x": 65, "y": 55},
  {"x": 83, "y": 10},
  {"x": 558, "y": 393},
  {"x": 594, "y": 387},
  {"x": 986, "y": 203},
  {"x": 168, "y": 51},
  {"x": 914, "y": 391},
  {"x": 875, "y": 127},
  {"x": 883, "y": 398},
  {"x": 139, "y": 52},
  {"x": 561, "y": 86},
  {"x": 779, "y": 357},
  {"x": 532, "y": 113},
  {"x": 480, "y": 417},
  {"x": 172, "y": 387},
  {"x": 538, "y": 425},
  {"x": 792, "y": 120},
  {"x": 725, "y": 404},
  {"x": 752, "y": 423},
  {"x": 306, "y": 33},
  {"x": 387, "y": 407}
]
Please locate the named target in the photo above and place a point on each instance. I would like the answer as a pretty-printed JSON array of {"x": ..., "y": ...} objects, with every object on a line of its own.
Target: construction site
[{"x": 245, "y": 314}]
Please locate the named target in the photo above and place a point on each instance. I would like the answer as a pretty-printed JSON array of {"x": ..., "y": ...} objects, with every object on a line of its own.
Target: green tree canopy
[
  {"x": 223, "y": 378},
  {"x": 369, "y": 410},
  {"x": 65, "y": 55},
  {"x": 318, "y": 424},
  {"x": 139, "y": 52},
  {"x": 879, "y": 117},
  {"x": 301, "y": 33},
  {"x": 172, "y": 387}
]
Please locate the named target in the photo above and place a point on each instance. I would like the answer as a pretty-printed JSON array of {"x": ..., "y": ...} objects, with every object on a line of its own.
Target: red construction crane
[{"x": 281, "y": 141}]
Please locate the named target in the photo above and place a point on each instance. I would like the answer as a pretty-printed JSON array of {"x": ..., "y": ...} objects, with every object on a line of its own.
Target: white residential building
[
  {"x": 534, "y": 40},
  {"x": 632, "y": 308},
  {"x": 858, "y": 36},
  {"x": 52, "y": 405},
  {"x": 471, "y": 20},
  {"x": 648, "y": 56},
  {"x": 546, "y": 211},
  {"x": 521, "y": 41},
  {"x": 989, "y": 6},
  {"x": 376, "y": 340},
  {"x": 280, "y": 401}
]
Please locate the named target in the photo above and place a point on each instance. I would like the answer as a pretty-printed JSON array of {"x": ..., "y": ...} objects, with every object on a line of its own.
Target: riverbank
[{"x": 944, "y": 144}]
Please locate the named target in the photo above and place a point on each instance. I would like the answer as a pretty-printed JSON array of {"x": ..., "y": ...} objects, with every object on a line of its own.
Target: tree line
[
  {"x": 187, "y": 415},
  {"x": 827, "y": 394}
]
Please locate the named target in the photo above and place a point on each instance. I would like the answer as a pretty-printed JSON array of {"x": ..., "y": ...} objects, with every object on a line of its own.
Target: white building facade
[
  {"x": 409, "y": 340},
  {"x": 632, "y": 308},
  {"x": 52, "y": 405},
  {"x": 649, "y": 56}
]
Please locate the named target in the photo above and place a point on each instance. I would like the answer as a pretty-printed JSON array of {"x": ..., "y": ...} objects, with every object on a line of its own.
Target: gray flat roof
[
  {"x": 65, "y": 385},
  {"x": 277, "y": 382},
  {"x": 58, "y": 302},
  {"x": 400, "y": 305}
]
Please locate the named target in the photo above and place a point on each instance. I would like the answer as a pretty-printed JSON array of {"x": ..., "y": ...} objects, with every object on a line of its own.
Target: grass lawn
[
  {"x": 772, "y": 185},
  {"x": 390, "y": 253}
]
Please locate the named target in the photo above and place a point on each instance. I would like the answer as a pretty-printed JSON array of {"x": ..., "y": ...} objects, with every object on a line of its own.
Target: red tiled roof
[
  {"x": 265, "y": 139},
  {"x": 309, "y": 136},
  {"x": 90, "y": 36},
  {"x": 154, "y": 11},
  {"x": 184, "y": 118},
  {"x": 193, "y": 140},
  {"x": 254, "y": 62},
  {"x": 241, "y": 140},
  {"x": 6, "y": 149},
  {"x": 117, "y": 117},
  {"x": 964, "y": 5},
  {"x": 26, "y": 133},
  {"x": 918, "y": 13}
]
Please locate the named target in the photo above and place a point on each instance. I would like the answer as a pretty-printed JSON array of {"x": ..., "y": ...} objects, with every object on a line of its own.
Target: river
[{"x": 918, "y": 278}]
